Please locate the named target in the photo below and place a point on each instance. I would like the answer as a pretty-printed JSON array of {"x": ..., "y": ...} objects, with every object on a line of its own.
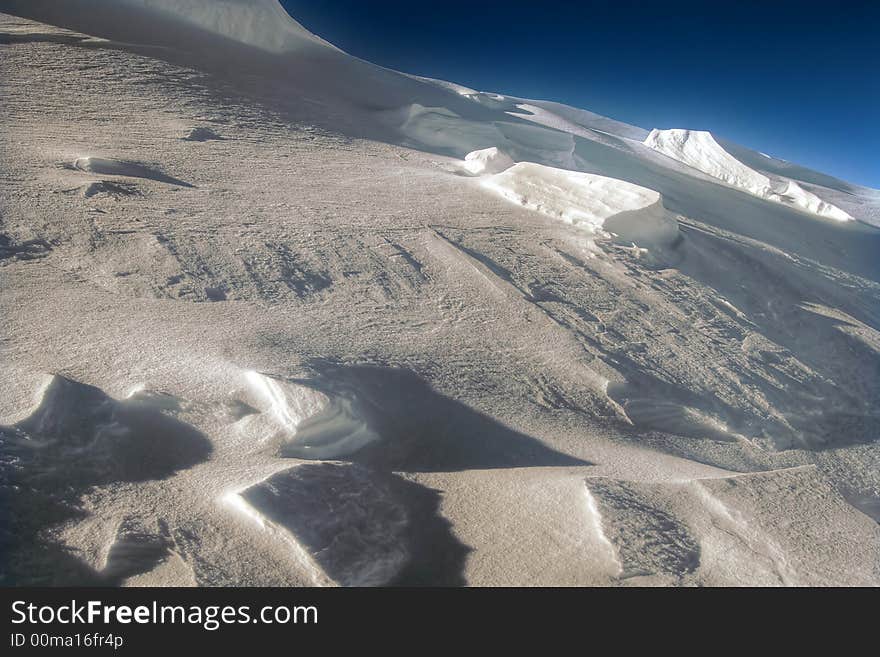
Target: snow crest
[
  {"x": 487, "y": 160},
  {"x": 632, "y": 213},
  {"x": 698, "y": 149}
]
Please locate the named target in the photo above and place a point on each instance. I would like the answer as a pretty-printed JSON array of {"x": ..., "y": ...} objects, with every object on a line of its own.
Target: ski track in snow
[{"x": 391, "y": 330}]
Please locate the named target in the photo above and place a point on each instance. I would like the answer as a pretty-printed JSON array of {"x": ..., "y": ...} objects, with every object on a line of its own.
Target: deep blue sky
[{"x": 797, "y": 80}]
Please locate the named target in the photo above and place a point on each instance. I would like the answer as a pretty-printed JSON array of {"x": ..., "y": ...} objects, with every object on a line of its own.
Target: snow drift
[
  {"x": 634, "y": 214},
  {"x": 487, "y": 160},
  {"x": 311, "y": 424},
  {"x": 700, "y": 150},
  {"x": 328, "y": 221}
]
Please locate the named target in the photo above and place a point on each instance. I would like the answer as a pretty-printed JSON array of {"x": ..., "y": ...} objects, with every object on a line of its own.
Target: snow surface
[
  {"x": 590, "y": 202},
  {"x": 701, "y": 151},
  {"x": 260, "y": 330},
  {"x": 487, "y": 160}
]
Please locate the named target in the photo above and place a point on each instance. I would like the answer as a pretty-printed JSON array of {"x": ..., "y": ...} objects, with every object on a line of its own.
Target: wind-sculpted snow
[
  {"x": 313, "y": 425},
  {"x": 81, "y": 436},
  {"x": 111, "y": 167},
  {"x": 136, "y": 549},
  {"x": 390, "y": 419},
  {"x": 261, "y": 24},
  {"x": 648, "y": 539},
  {"x": 701, "y": 151},
  {"x": 487, "y": 161},
  {"x": 435, "y": 313},
  {"x": 720, "y": 529},
  {"x": 634, "y": 214},
  {"x": 423, "y": 430},
  {"x": 78, "y": 438},
  {"x": 749, "y": 539},
  {"x": 360, "y": 527}
]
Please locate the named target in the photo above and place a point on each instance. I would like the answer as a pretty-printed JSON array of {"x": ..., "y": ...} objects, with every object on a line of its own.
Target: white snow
[
  {"x": 487, "y": 160},
  {"x": 590, "y": 202},
  {"x": 442, "y": 128},
  {"x": 312, "y": 425},
  {"x": 790, "y": 193},
  {"x": 700, "y": 150},
  {"x": 207, "y": 193}
]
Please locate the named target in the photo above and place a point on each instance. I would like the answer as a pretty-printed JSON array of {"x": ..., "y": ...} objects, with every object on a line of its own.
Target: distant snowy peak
[{"x": 700, "y": 150}]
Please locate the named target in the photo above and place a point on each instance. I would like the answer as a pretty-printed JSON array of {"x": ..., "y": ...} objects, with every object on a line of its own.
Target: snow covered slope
[
  {"x": 701, "y": 151},
  {"x": 273, "y": 315},
  {"x": 262, "y": 24}
]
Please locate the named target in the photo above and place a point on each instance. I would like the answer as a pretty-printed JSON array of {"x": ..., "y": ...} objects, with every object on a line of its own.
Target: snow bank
[
  {"x": 698, "y": 149},
  {"x": 634, "y": 214}
]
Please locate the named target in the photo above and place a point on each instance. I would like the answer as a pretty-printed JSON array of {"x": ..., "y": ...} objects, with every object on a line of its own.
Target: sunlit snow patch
[
  {"x": 698, "y": 149},
  {"x": 487, "y": 160},
  {"x": 595, "y": 203},
  {"x": 312, "y": 425}
]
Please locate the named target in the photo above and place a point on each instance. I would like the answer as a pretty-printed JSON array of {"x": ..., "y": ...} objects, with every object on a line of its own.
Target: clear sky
[{"x": 797, "y": 80}]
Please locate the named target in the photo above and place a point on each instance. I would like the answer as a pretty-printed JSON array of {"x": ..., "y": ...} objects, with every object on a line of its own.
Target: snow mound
[
  {"x": 648, "y": 538},
  {"x": 202, "y": 134},
  {"x": 487, "y": 160},
  {"x": 698, "y": 149},
  {"x": 311, "y": 424},
  {"x": 632, "y": 213},
  {"x": 79, "y": 435},
  {"x": 76, "y": 438}
]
